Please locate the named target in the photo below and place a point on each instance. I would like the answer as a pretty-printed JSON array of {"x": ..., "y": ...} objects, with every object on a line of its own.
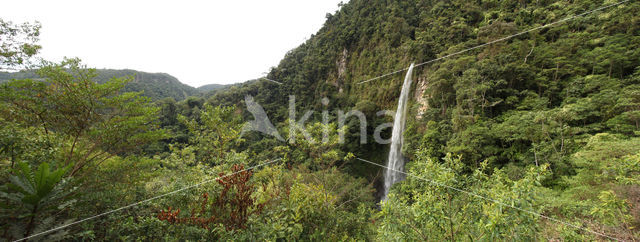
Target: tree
[
  {"x": 96, "y": 120},
  {"x": 628, "y": 103},
  {"x": 12, "y": 141},
  {"x": 215, "y": 134},
  {"x": 607, "y": 167},
  {"x": 18, "y": 44},
  {"x": 31, "y": 194},
  {"x": 232, "y": 207},
  {"x": 435, "y": 208}
]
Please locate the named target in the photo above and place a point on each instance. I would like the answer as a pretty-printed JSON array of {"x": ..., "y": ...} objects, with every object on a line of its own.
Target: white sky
[{"x": 198, "y": 42}]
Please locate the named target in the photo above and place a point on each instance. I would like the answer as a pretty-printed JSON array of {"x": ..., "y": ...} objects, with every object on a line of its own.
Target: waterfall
[{"x": 396, "y": 159}]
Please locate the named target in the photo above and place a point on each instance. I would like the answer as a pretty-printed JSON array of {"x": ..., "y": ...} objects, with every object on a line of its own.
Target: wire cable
[
  {"x": 492, "y": 200},
  {"x": 146, "y": 200},
  {"x": 497, "y": 40}
]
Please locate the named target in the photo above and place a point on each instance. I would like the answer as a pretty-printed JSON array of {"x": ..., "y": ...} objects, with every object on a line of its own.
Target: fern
[{"x": 30, "y": 195}]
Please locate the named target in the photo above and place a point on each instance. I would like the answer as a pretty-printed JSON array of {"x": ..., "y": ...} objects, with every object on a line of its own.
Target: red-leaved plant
[{"x": 232, "y": 207}]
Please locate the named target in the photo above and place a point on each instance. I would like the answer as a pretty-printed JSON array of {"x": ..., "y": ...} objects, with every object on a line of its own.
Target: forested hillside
[
  {"x": 211, "y": 87},
  {"x": 154, "y": 85},
  {"x": 533, "y": 137}
]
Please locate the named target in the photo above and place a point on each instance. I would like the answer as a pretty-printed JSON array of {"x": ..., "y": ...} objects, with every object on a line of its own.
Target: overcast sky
[{"x": 197, "y": 42}]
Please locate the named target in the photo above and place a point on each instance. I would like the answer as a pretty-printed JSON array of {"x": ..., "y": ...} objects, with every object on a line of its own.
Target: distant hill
[
  {"x": 211, "y": 87},
  {"x": 155, "y": 85}
]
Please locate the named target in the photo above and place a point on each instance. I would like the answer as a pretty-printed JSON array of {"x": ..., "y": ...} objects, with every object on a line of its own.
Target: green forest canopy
[{"x": 547, "y": 122}]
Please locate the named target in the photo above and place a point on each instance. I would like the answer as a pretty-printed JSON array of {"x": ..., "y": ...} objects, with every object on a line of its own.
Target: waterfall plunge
[{"x": 396, "y": 159}]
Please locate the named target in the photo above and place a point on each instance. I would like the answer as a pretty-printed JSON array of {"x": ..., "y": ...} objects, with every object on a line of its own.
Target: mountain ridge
[{"x": 156, "y": 85}]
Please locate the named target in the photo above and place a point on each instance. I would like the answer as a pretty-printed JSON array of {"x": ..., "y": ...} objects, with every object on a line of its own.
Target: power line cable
[
  {"x": 492, "y": 200},
  {"x": 146, "y": 200},
  {"x": 496, "y": 41}
]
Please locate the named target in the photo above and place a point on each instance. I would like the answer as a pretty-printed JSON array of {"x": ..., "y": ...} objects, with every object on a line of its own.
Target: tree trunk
[
  {"x": 31, "y": 221},
  {"x": 610, "y": 68},
  {"x": 531, "y": 51},
  {"x": 13, "y": 156},
  {"x": 73, "y": 146},
  {"x": 451, "y": 219}
]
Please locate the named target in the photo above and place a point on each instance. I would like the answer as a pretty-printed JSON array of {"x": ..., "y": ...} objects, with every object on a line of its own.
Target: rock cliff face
[{"x": 419, "y": 95}]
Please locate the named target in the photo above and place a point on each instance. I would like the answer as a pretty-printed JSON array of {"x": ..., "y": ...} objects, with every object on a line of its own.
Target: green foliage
[
  {"x": 215, "y": 134},
  {"x": 304, "y": 205},
  {"x": 153, "y": 85},
  {"x": 34, "y": 189},
  {"x": 628, "y": 103},
  {"x": 19, "y": 44},
  {"x": 605, "y": 183},
  {"x": 319, "y": 150},
  {"x": 435, "y": 208},
  {"x": 20, "y": 144},
  {"x": 31, "y": 195},
  {"x": 97, "y": 121},
  {"x": 156, "y": 86},
  {"x": 611, "y": 210},
  {"x": 211, "y": 87},
  {"x": 546, "y": 122}
]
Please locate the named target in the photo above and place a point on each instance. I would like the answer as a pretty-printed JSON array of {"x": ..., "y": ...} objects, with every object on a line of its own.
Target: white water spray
[{"x": 396, "y": 159}]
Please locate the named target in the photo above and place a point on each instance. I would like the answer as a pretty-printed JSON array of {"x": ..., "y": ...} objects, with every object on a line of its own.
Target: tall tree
[
  {"x": 97, "y": 120},
  {"x": 18, "y": 44}
]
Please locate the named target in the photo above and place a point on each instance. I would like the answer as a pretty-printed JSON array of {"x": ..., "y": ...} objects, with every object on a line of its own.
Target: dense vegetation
[
  {"x": 546, "y": 123},
  {"x": 154, "y": 85},
  {"x": 211, "y": 87}
]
